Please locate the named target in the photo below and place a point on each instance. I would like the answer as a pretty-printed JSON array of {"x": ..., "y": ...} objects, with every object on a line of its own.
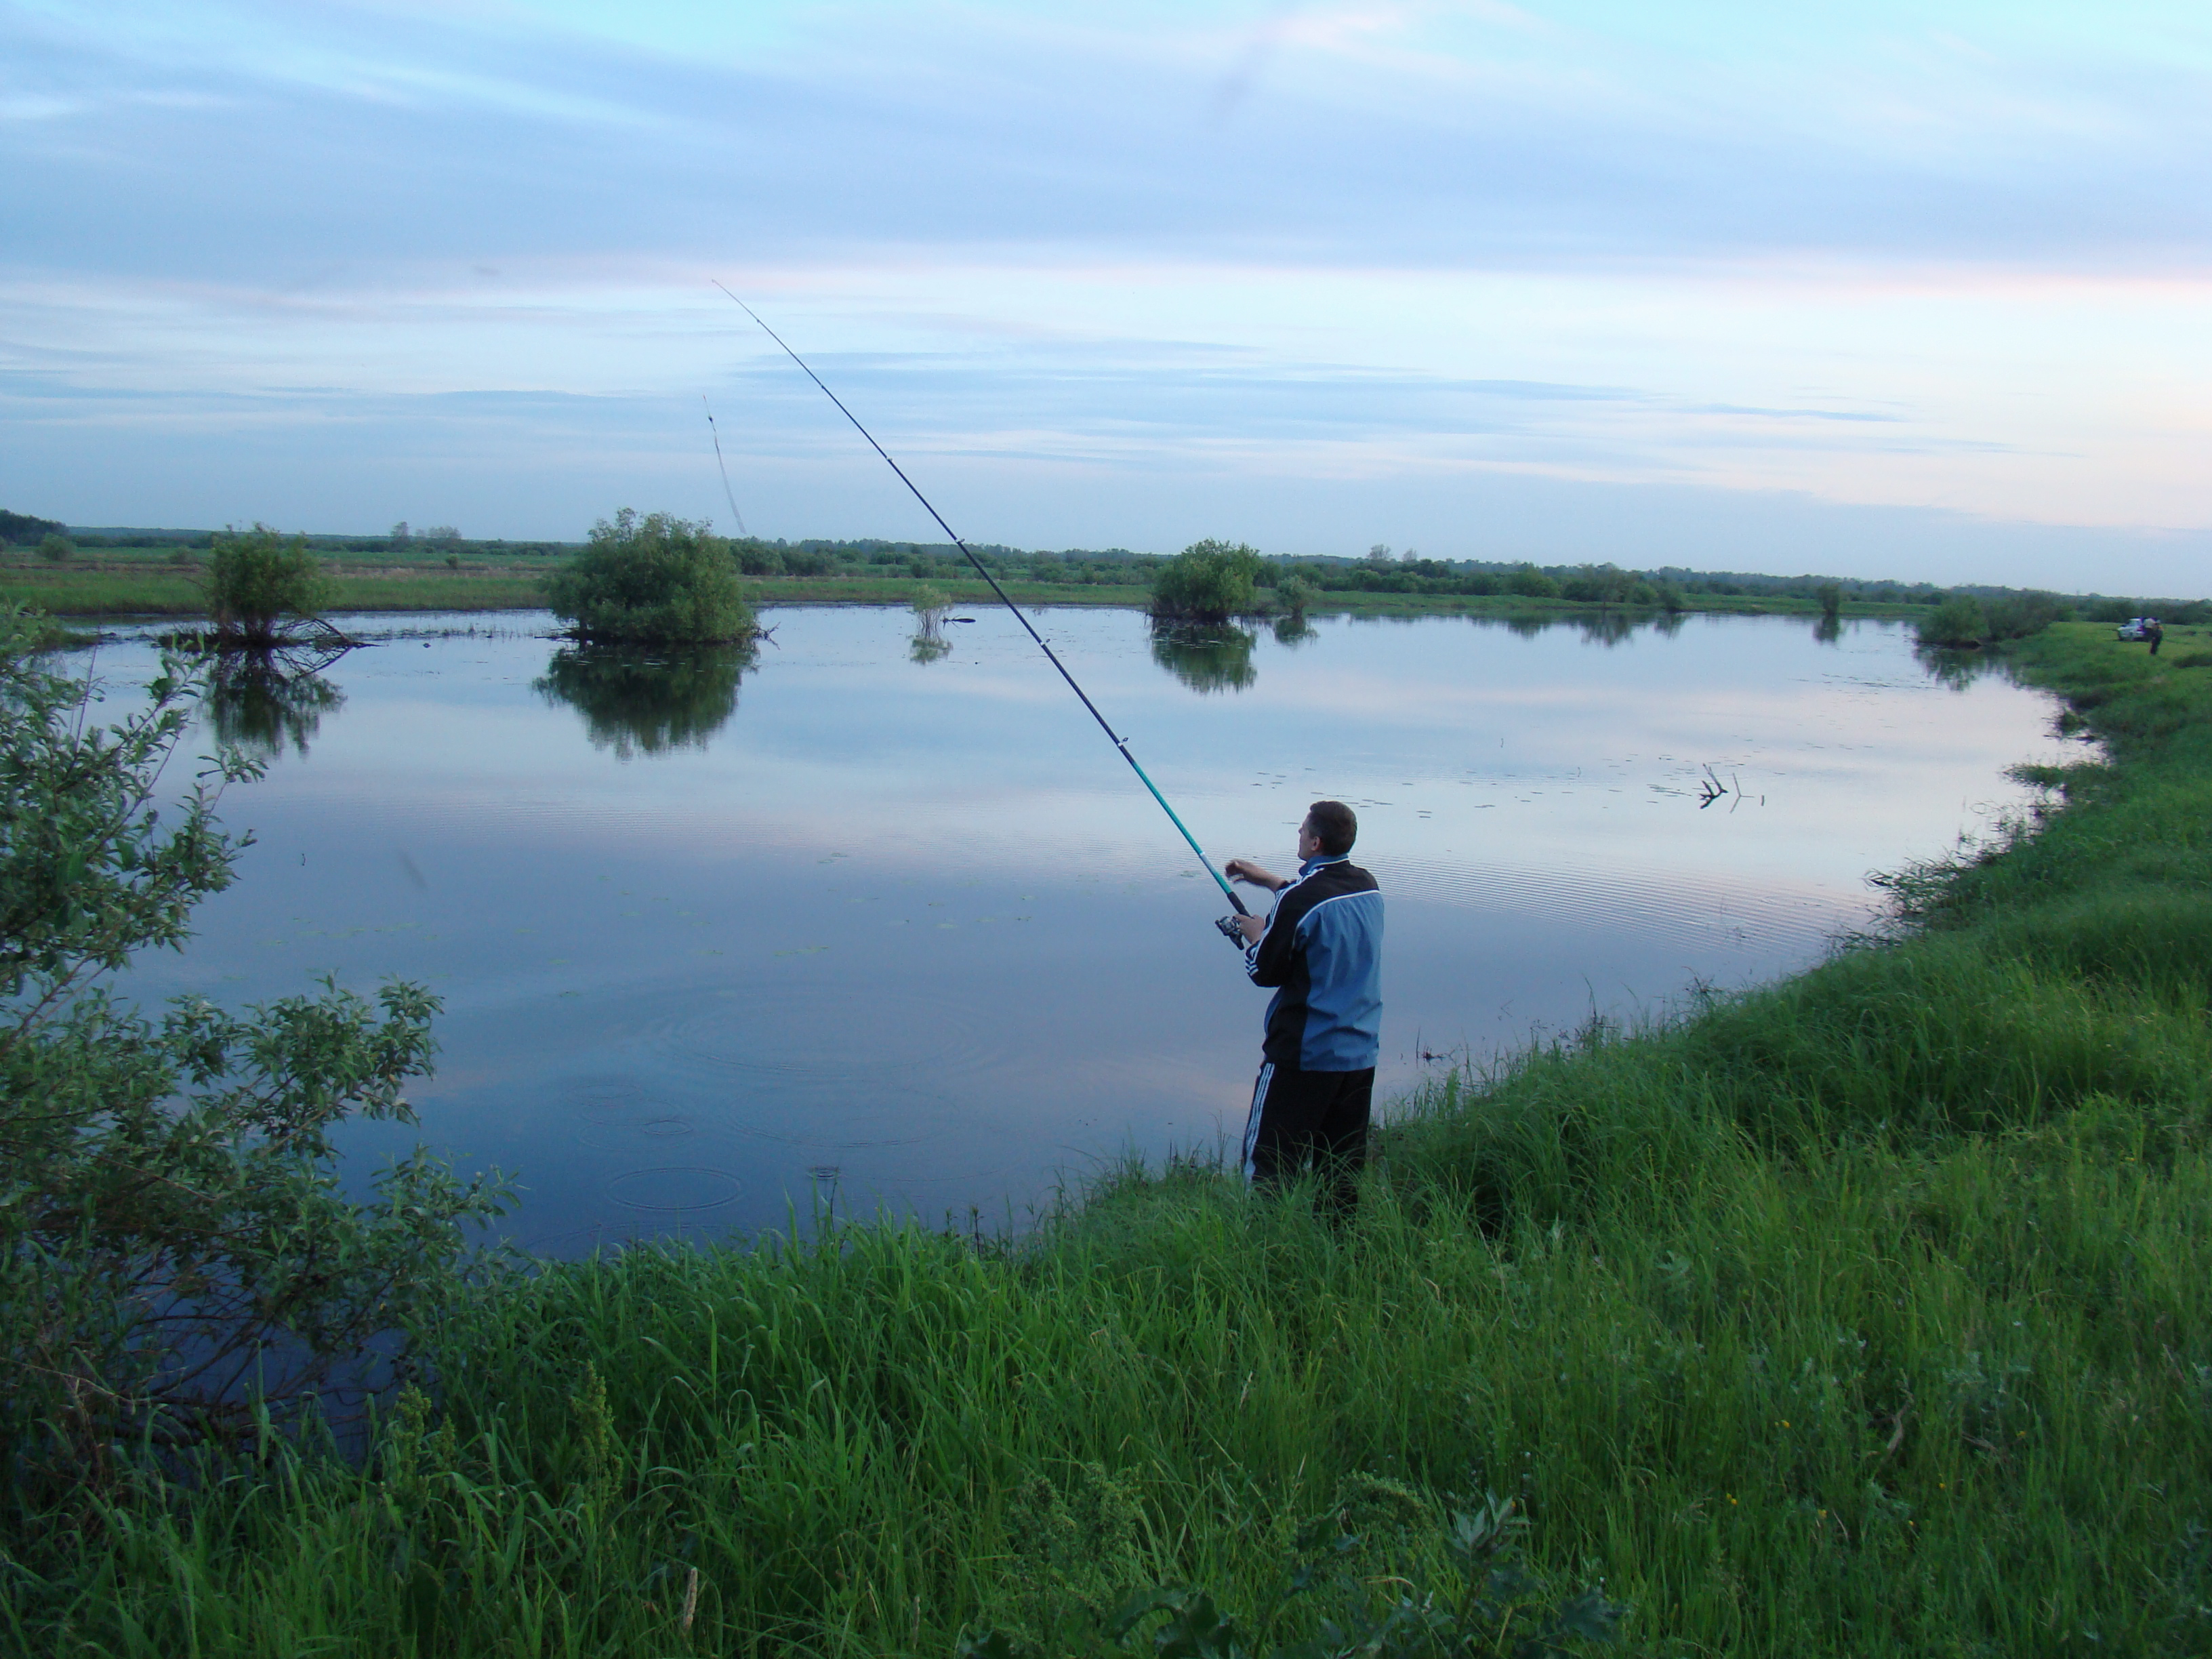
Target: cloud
[
  {"x": 355, "y": 133},
  {"x": 1949, "y": 264}
]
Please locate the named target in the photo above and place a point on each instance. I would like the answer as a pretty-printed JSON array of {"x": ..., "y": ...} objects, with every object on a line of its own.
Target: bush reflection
[
  {"x": 1205, "y": 658},
  {"x": 264, "y": 701},
  {"x": 639, "y": 702}
]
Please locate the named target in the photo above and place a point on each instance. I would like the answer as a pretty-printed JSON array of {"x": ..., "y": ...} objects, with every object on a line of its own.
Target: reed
[{"x": 1869, "y": 1312}]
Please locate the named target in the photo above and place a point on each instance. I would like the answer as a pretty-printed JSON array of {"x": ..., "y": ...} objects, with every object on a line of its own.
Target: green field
[
  {"x": 118, "y": 585},
  {"x": 1867, "y": 1313}
]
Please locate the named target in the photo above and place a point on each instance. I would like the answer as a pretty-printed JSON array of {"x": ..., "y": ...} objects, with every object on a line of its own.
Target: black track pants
[{"x": 1310, "y": 1120}]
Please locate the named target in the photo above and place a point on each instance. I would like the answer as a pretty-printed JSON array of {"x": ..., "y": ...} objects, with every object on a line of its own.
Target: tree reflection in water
[
  {"x": 639, "y": 702},
  {"x": 1294, "y": 630},
  {"x": 261, "y": 701},
  {"x": 1607, "y": 627},
  {"x": 1957, "y": 669},
  {"x": 1205, "y": 657}
]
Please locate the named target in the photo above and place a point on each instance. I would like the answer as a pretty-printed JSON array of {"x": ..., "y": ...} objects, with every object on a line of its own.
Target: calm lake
[{"x": 720, "y": 938}]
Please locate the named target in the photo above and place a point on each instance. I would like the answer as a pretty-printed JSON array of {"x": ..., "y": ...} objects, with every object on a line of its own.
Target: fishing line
[
  {"x": 1120, "y": 742},
  {"x": 719, "y": 467}
]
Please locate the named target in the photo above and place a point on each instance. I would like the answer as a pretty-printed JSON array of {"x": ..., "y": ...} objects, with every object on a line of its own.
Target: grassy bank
[
  {"x": 1870, "y": 1312},
  {"x": 154, "y": 588}
]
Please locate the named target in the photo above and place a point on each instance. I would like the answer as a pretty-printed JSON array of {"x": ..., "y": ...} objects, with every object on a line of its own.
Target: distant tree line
[
  {"x": 1283, "y": 583},
  {"x": 22, "y": 529}
]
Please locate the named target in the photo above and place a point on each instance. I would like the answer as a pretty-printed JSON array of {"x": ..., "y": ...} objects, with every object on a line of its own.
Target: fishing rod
[
  {"x": 726, "y": 494},
  {"x": 1226, "y": 924}
]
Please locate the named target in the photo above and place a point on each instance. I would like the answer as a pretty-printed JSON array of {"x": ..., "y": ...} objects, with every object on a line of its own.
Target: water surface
[{"x": 720, "y": 936}]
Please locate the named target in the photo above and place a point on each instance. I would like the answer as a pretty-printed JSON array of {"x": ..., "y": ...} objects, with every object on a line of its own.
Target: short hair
[{"x": 1334, "y": 826}]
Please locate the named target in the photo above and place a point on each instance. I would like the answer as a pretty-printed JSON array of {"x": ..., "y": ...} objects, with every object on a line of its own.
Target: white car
[{"x": 2136, "y": 628}]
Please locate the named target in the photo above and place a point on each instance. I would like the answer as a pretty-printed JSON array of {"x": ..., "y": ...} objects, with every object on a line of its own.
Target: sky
[{"x": 1920, "y": 291}]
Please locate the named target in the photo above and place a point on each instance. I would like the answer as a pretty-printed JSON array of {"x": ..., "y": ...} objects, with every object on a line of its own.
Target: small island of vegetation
[
  {"x": 652, "y": 580},
  {"x": 261, "y": 589},
  {"x": 1209, "y": 581}
]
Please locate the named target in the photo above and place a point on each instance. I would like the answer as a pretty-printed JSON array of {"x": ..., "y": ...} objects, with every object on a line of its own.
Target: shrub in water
[
  {"x": 1295, "y": 594},
  {"x": 1958, "y": 622},
  {"x": 256, "y": 580},
  {"x": 1208, "y": 581},
  {"x": 652, "y": 580}
]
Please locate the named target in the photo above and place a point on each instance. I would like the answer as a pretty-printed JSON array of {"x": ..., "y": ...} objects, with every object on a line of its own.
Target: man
[{"x": 1321, "y": 948}]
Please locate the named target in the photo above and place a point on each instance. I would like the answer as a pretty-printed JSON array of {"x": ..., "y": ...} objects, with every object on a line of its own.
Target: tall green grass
[{"x": 1866, "y": 1313}]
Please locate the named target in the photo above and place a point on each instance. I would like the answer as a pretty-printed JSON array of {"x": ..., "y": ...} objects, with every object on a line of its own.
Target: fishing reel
[{"x": 1230, "y": 930}]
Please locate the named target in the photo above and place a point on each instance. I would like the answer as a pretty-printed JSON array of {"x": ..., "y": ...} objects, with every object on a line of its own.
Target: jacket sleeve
[{"x": 1269, "y": 962}]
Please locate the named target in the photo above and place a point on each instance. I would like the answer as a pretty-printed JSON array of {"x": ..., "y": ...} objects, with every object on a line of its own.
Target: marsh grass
[{"x": 1870, "y": 1312}]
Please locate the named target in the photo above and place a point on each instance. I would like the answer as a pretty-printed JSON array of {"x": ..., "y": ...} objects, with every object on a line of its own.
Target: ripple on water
[
  {"x": 604, "y": 1099},
  {"x": 673, "y": 1187}
]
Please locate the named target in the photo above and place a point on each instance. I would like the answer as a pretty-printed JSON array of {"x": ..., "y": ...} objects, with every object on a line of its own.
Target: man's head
[{"x": 1328, "y": 832}]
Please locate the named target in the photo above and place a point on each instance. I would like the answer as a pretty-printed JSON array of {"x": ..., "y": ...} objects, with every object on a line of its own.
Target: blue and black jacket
[{"x": 1323, "y": 948}]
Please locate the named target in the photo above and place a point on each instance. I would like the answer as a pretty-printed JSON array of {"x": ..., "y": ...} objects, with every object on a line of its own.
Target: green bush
[
  {"x": 56, "y": 548},
  {"x": 1598, "y": 584},
  {"x": 757, "y": 558},
  {"x": 653, "y": 580},
  {"x": 1957, "y": 622},
  {"x": 1831, "y": 596},
  {"x": 176, "y": 1258},
  {"x": 1531, "y": 583},
  {"x": 1208, "y": 581},
  {"x": 255, "y": 579},
  {"x": 2016, "y": 615},
  {"x": 1294, "y": 595}
]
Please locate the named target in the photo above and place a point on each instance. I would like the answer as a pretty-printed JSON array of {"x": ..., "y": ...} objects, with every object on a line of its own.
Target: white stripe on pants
[{"x": 1252, "y": 1121}]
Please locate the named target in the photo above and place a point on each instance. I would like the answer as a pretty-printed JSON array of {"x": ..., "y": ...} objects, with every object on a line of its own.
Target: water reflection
[
  {"x": 647, "y": 702},
  {"x": 261, "y": 701},
  {"x": 1829, "y": 629},
  {"x": 915, "y": 935},
  {"x": 1205, "y": 658},
  {"x": 929, "y": 644},
  {"x": 1295, "y": 631},
  {"x": 1606, "y": 628},
  {"x": 1956, "y": 669}
]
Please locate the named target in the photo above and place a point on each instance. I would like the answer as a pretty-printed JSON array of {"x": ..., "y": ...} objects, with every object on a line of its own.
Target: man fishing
[{"x": 1320, "y": 947}]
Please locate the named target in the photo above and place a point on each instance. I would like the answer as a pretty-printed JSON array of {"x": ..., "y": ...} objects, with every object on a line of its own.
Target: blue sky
[{"x": 1879, "y": 291}]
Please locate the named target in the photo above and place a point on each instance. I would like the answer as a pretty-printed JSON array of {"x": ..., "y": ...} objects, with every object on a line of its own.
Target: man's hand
[
  {"x": 1251, "y": 927},
  {"x": 1259, "y": 876}
]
